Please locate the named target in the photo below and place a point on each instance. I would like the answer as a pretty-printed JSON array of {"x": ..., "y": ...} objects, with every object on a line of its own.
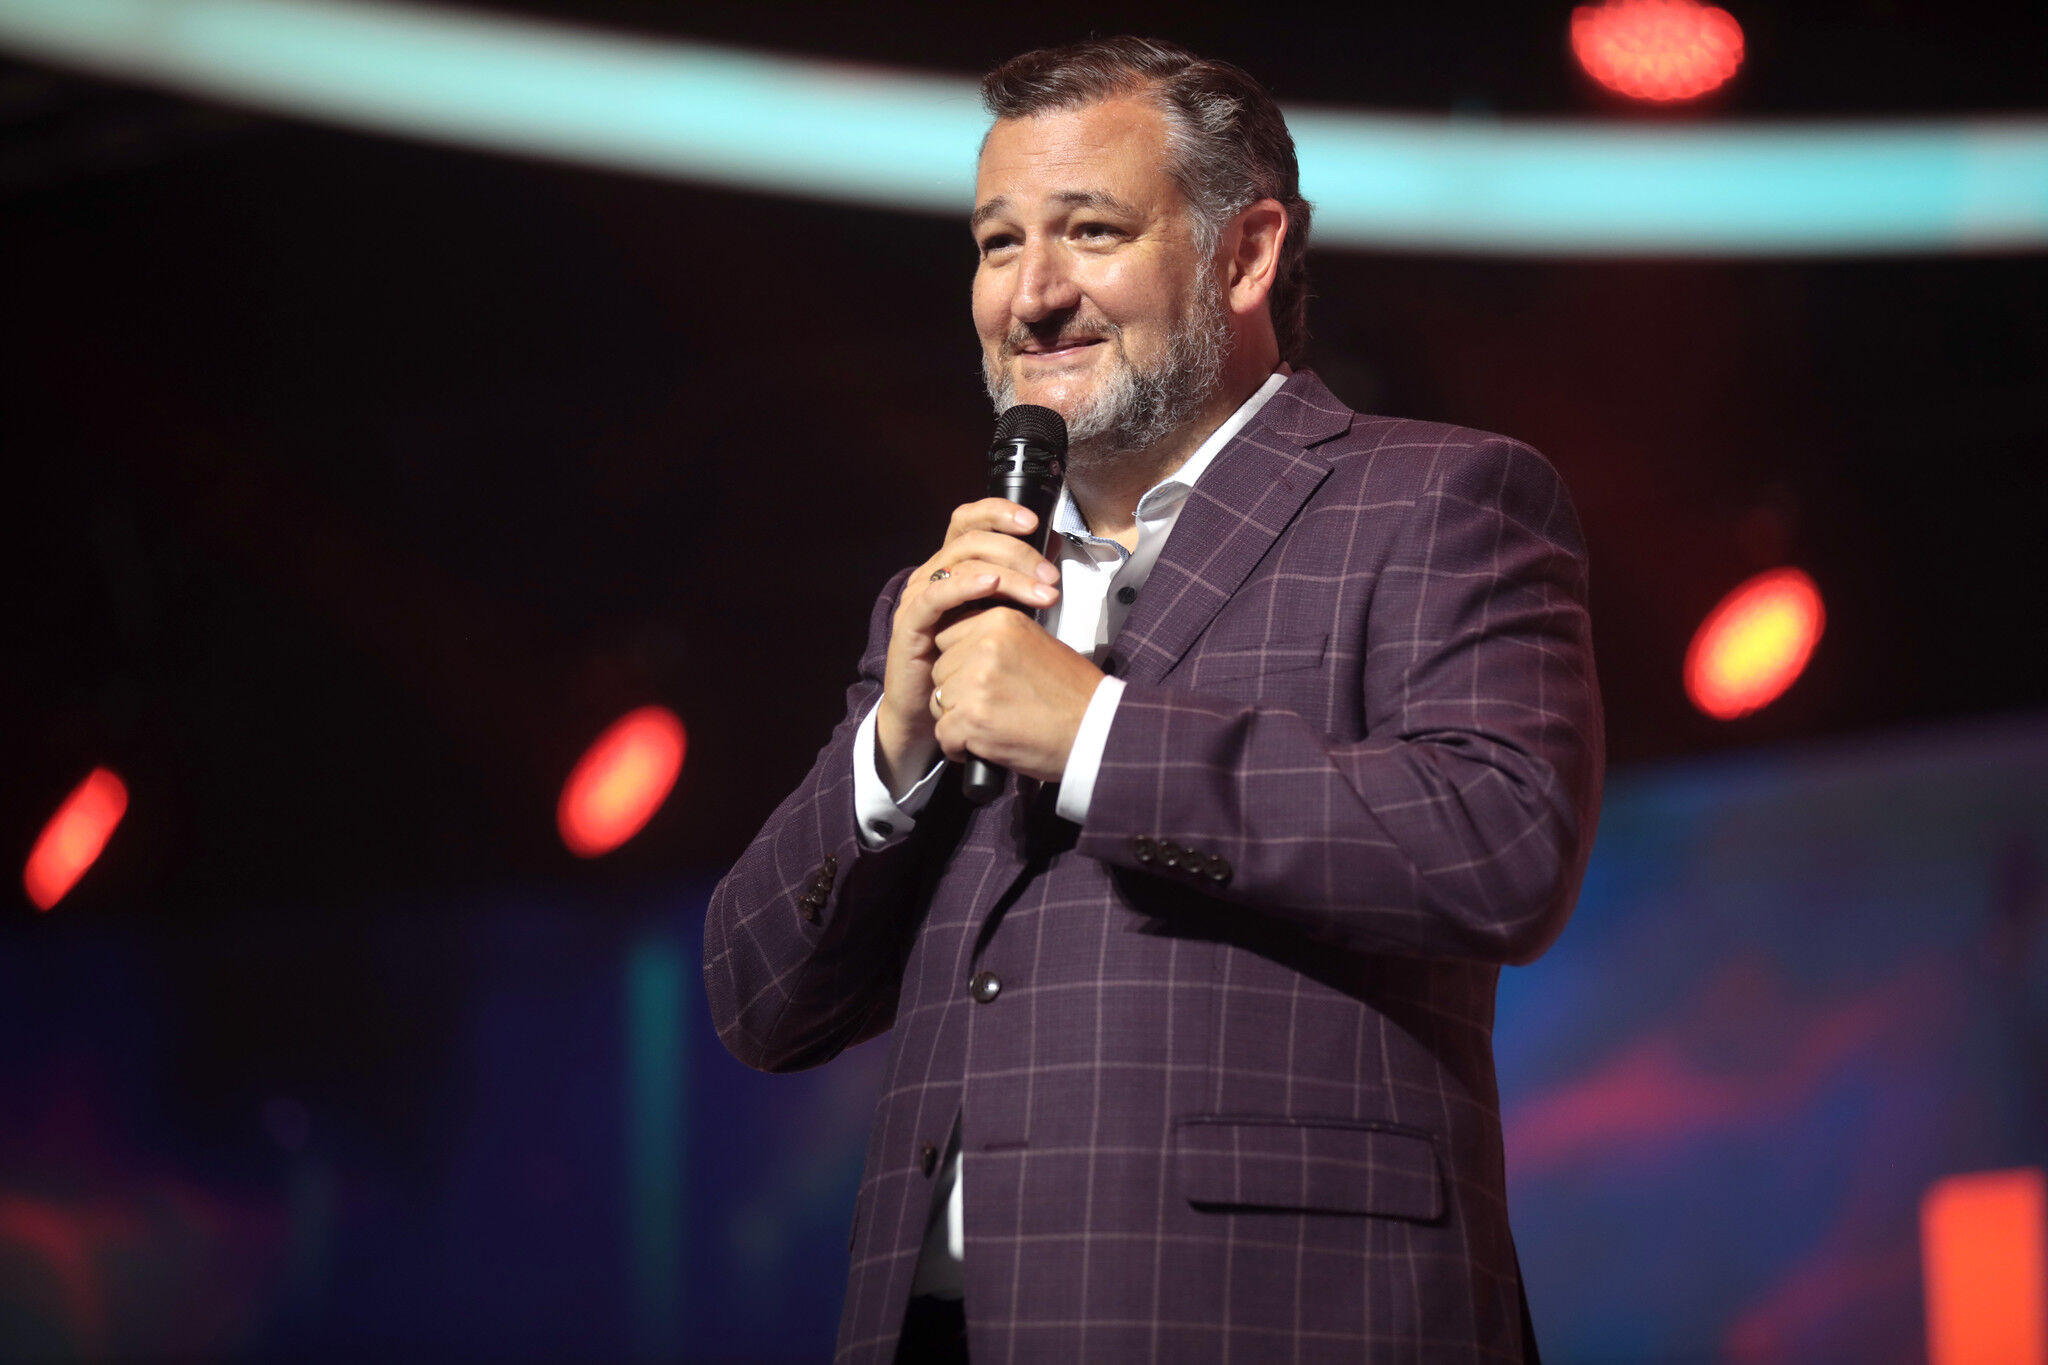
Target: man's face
[{"x": 1092, "y": 297}]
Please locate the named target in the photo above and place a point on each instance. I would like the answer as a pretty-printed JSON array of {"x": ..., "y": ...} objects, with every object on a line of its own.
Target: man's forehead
[{"x": 1110, "y": 154}]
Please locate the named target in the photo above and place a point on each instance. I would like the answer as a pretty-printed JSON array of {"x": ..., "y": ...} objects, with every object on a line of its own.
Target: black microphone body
[{"x": 1026, "y": 465}]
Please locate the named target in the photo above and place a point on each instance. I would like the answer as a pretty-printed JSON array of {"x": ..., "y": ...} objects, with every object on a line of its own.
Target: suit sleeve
[
  {"x": 804, "y": 938},
  {"x": 1459, "y": 825}
]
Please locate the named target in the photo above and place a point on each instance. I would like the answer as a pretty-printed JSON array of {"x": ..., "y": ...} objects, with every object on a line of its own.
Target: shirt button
[
  {"x": 927, "y": 1158},
  {"x": 1127, "y": 595},
  {"x": 984, "y": 987}
]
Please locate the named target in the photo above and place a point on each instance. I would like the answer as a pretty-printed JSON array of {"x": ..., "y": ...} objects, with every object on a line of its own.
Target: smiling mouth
[{"x": 1061, "y": 352}]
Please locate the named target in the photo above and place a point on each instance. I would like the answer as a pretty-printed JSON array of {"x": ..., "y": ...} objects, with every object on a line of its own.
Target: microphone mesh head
[{"x": 1036, "y": 425}]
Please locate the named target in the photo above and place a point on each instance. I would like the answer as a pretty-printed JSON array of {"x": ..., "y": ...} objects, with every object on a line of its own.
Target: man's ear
[{"x": 1253, "y": 254}]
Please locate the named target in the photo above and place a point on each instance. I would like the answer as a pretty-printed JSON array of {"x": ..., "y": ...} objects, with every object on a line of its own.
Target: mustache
[{"x": 1064, "y": 332}]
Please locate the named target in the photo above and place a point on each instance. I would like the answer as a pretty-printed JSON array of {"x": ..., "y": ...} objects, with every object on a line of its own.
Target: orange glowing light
[
  {"x": 621, "y": 780},
  {"x": 1661, "y": 50},
  {"x": 1984, "y": 1256},
  {"x": 1754, "y": 644},
  {"x": 72, "y": 841}
]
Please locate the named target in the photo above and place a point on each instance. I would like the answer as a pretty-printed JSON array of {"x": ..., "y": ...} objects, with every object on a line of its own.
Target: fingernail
[
  {"x": 1047, "y": 573},
  {"x": 1042, "y": 594},
  {"x": 1023, "y": 519},
  {"x": 987, "y": 580}
]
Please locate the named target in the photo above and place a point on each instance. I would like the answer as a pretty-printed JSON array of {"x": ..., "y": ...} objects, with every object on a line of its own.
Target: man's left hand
[{"x": 1007, "y": 691}]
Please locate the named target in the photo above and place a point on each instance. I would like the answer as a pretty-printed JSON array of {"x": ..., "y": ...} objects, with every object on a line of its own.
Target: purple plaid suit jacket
[{"x": 1232, "y": 1096}]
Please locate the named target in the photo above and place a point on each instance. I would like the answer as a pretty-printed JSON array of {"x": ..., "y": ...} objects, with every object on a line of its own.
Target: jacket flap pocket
[
  {"x": 1286, "y": 655},
  {"x": 1327, "y": 1166}
]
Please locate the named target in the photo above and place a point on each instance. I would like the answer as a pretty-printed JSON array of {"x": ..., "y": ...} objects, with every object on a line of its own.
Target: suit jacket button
[
  {"x": 984, "y": 987},
  {"x": 927, "y": 1158},
  {"x": 810, "y": 913},
  {"x": 1218, "y": 869},
  {"x": 1144, "y": 849},
  {"x": 831, "y": 864}
]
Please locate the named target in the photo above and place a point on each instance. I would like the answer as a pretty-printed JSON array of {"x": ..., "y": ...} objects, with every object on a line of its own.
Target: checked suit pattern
[{"x": 1223, "y": 1056}]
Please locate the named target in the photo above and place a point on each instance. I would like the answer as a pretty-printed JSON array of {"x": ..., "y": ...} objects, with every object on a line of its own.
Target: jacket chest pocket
[{"x": 1250, "y": 666}]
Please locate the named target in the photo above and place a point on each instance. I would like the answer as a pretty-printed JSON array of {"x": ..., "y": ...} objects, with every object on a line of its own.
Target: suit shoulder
[
  {"x": 1401, "y": 456},
  {"x": 1418, "y": 444},
  {"x": 1398, "y": 461}
]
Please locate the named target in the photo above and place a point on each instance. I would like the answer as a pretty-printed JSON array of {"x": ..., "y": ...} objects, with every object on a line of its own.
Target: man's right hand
[{"x": 986, "y": 562}]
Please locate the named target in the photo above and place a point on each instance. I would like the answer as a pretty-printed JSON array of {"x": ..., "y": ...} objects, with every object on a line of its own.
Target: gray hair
[{"x": 1227, "y": 142}]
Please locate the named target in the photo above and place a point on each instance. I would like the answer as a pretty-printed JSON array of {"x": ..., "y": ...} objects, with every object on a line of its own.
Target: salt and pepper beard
[{"x": 1135, "y": 408}]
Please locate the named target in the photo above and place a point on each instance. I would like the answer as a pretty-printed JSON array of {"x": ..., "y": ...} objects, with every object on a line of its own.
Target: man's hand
[
  {"x": 985, "y": 562},
  {"x": 1007, "y": 691}
]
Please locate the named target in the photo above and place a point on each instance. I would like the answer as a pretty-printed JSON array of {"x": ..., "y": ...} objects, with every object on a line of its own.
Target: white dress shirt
[{"x": 1099, "y": 582}]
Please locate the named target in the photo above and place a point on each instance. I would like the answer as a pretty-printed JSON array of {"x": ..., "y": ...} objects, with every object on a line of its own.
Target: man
[{"x": 1191, "y": 1054}]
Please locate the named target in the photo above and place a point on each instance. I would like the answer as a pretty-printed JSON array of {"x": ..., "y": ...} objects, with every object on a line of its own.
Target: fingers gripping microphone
[{"x": 1025, "y": 465}]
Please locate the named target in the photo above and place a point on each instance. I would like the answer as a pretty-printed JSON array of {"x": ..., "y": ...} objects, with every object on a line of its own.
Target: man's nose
[{"x": 1044, "y": 284}]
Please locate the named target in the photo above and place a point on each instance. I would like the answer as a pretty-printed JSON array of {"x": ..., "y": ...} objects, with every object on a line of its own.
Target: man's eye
[
  {"x": 996, "y": 242},
  {"x": 1097, "y": 230}
]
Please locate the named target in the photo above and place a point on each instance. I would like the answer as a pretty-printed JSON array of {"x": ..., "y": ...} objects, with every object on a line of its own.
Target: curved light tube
[{"x": 897, "y": 140}]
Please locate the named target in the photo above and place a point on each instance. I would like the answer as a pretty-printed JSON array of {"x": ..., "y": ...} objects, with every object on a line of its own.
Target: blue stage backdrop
[{"x": 1801, "y": 986}]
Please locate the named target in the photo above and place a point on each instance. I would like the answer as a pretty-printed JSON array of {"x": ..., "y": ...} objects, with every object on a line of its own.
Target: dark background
[
  {"x": 353, "y": 485},
  {"x": 357, "y": 484}
]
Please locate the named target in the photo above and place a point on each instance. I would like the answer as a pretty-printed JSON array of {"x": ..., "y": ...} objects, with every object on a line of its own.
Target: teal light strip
[
  {"x": 895, "y": 140},
  {"x": 657, "y": 1082}
]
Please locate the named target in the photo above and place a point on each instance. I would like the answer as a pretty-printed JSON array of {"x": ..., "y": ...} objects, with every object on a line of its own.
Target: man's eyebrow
[
  {"x": 988, "y": 211},
  {"x": 1094, "y": 199},
  {"x": 1073, "y": 199}
]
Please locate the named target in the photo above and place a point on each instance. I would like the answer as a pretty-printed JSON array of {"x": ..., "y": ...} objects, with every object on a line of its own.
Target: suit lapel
[{"x": 1244, "y": 501}]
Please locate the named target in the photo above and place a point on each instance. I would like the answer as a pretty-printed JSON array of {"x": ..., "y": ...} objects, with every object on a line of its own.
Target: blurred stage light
[
  {"x": 902, "y": 139},
  {"x": 72, "y": 841},
  {"x": 1754, "y": 644},
  {"x": 1984, "y": 1261},
  {"x": 1659, "y": 50},
  {"x": 621, "y": 780}
]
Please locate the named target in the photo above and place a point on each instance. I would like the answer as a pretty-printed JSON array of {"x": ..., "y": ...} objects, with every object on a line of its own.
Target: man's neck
[{"x": 1107, "y": 494}]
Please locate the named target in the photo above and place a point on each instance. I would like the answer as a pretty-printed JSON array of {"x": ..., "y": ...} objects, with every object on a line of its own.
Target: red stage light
[
  {"x": 72, "y": 841},
  {"x": 1662, "y": 50},
  {"x": 621, "y": 780},
  {"x": 1754, "y": 644},
  {"x": 1984, "y": 1259}
]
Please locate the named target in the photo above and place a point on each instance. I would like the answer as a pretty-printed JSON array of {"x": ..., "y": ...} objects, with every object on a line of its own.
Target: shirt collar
[{"x": 1171, "y": 491}]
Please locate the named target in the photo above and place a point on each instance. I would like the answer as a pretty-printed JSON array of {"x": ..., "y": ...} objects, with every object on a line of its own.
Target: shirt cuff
[
  {"x": 883, "y": 819},
  {"x": 1077, "y": 782}
]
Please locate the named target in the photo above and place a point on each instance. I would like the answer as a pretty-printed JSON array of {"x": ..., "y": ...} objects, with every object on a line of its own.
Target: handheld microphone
[{"x": 1025, "y": 465}]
